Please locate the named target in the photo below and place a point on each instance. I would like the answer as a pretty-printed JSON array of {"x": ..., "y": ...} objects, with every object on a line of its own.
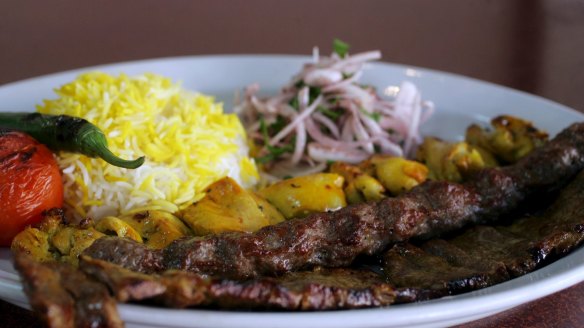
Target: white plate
[{"x": 459, "y": 102}]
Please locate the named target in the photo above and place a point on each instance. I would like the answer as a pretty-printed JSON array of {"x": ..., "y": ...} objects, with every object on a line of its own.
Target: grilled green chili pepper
[{"x": 68, "y": 133}]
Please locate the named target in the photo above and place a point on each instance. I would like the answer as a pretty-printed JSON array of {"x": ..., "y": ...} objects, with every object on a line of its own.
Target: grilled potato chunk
[
  {"x": 228, "y": 207},
  {"x": 72, "y": 241},
  {"x": 156, "y": 228},
  {"x": 37, "y": 241},
  {"x": 34, "y": 242},
  {"x": 300, "y": 196},
  {"x": 359, "y": 186},
  {"x": 453, "y": 161},
  {"x": 511, "y": 138},
  {"x": 112, "y": 225},
  {"x": 398, "y": 174}
]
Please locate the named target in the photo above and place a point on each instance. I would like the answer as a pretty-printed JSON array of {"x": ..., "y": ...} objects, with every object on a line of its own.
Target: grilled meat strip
[
  {"x": 64, "y": 296},
  {"x": 486, "y": 255},
  {"x": 336, "y": 239},
  {"x": 321, "y": 289}
]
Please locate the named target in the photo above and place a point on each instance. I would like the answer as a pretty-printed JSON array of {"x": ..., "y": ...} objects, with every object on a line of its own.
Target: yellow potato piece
[
  {"x": 297, "y": 197},
  {"x": 157, "y": 228},
  {"x": 359, "y": 186},
  {"x": 511, "y": 138},
  {"x": 453, "y": 161},
  {"x": 113, "y": 225},
  {"x": 228, "y": 207},
  {"x": 398, "y": 174},
  {"x": 34, "y": 242},
  {"x": 37, "y": 241},
  {"x": 272, "y": 214},
  {"x": 72, "y": 241}
]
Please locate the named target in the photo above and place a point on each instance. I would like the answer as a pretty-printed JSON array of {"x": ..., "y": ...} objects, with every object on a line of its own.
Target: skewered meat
[
  {"x": 321, "y": 289},
  {"x": 66, "y": 297},
  {"x": 479, "y": 257},
  {"x": 486, "y": 255},
  {"x": 336, "y": 239}
]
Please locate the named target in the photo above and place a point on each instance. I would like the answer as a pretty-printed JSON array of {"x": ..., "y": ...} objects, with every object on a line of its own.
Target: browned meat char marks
[
  {"x": 336, "y": 239},
  {"x": 484, "y": 255},
  {"x": 322, "y": 289},
  {"x": 65, "y": 296}
]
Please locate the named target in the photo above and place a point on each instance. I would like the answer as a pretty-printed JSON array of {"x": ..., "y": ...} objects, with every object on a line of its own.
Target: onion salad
[{"x": 324, "y": 115}]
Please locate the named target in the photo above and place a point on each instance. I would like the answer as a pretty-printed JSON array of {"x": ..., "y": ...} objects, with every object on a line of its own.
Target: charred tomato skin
[{"x": 30, "y": 183}]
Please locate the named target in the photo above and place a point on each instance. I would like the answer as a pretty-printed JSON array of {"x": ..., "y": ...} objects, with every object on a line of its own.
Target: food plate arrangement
[{"x": 459, "y": 101}]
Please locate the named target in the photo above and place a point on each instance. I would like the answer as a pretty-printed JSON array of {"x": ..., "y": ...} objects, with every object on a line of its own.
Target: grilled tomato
[{"x": 30, "y": 182}]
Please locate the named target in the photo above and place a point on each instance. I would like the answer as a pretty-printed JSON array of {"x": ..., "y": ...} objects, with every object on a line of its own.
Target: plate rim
[{"x": 126, "y": 308}]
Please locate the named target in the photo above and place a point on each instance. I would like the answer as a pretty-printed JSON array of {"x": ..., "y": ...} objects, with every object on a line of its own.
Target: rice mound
[{"x": 187, "y": 139}]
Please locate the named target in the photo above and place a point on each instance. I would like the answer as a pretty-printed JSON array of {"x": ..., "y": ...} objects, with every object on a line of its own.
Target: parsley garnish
[
  {"x": 274, "y": 152},
  {"x": 374, "y": 116},
  {"x": 330, "y": 113},
  {"x": 340, "y": 47}
]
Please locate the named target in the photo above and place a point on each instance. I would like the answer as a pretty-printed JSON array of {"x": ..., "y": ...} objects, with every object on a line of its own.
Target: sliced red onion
[
  {"x": 323, "y": 154},
  {"x": 288, "y": 128},
  {"x": 323, "y": 77},
  {"x": 315, "y": 133},
  {"x": 336, "y": 86},
  {"x": 300, "y": 143},
  {"x": 328, "y": 123},
  {"x": 361, "y": 134},
  {"x": 354, "y": 135},
  {"x": 361, "y": 57}
]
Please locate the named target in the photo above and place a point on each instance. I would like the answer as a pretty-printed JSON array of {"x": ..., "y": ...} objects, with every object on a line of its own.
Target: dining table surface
[{"x": 536, "y": 46}]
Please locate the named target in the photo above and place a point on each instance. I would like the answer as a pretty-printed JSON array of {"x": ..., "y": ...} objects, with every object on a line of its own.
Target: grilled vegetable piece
[
  {"x": 359, "y": 186},
  {"x": 55, "y": 239},
  {"x": 452, "y": 161},
  {"x": 268, "y": 210},
  {"x": 35, "y": 241},
  {"x": 300, "y": 196},
  {"x": 228, "y": 207},
  {"x": 71, "y": 241},
  {"x": 62, "y": 132},
  {"x": 156, "y": 228},
  {"x": 30, "y": 183},
  {"x": 112, "y": 225},
  {"x": 511, "y": 139},
  {"x": 398, "y": 174}
]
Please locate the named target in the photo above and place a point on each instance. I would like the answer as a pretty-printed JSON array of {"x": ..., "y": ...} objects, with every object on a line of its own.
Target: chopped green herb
[
  {"x": 264, "y": 130},
  {"x": 330, "y": 113},
  {"x": 294, "y": 103},
  {"x": 374, "y": 116},
  {"x": 340, "y": 47},
  {"x": 274, "y": 152},
  {"x": 313, "y": 93},
  {"x": 278, "y": 125}
]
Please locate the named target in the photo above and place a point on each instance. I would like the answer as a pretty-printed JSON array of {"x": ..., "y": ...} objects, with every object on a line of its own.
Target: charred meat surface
[
  {"x": 486, "y": 255},
  {"x": 336, "y": 239},
  {"x": 66, "y": 297},
  {"x": 321, "y": 289}
]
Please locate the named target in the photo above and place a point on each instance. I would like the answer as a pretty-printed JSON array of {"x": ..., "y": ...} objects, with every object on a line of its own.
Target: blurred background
[{"x": 532, "y": 45}]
